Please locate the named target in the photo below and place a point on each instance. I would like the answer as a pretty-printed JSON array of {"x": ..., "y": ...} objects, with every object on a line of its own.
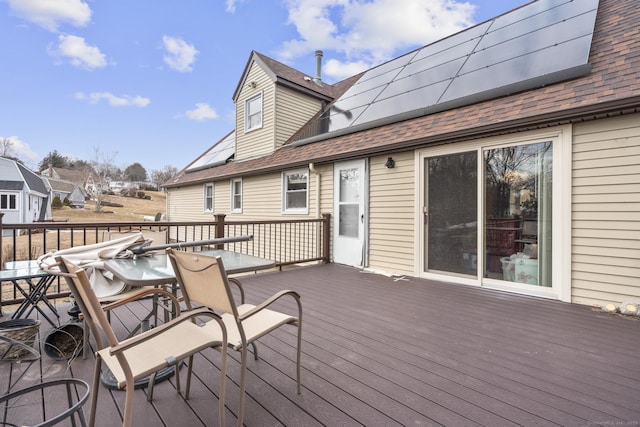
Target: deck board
[{"x": 379, "y": 351}]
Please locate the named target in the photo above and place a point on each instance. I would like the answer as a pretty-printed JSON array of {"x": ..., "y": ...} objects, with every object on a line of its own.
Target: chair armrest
[
  {"x": 271, "y": 300},
  {"x": 188, "y": 316},
  {"x": 142, "y": 294},
  {"x": 240, "y": 287}
]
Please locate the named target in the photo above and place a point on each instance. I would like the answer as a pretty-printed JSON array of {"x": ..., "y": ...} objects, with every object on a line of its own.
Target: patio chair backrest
[
  {"x": 203, "y": 281},
  {"x": 80, "y": 287}
]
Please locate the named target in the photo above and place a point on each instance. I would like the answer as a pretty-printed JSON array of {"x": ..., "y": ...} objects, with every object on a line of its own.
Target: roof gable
[
  {"x": 285, "y": 75},
  {"x": 34, "y": 182}
]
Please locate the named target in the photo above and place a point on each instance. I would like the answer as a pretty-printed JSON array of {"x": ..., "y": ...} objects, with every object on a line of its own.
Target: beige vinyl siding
[
  {"x": 391, "y": 214},
  {"x": 293, "y": 110},
  {"x": 257, "y": 142},
  {"x": 606, "y": 211},
  {"x": 326, "y": 191},
  {"x": 187, "y": 203},
  {"x": 262, "y": 201},
  {"x": 260, "y": 198}
]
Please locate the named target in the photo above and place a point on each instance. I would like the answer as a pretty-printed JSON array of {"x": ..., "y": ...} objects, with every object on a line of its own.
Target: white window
[
  {"x": 236, "y": 195},
  {"x": 295, "y": 185},
  {"x": 208, "y": 197},
  {"x": 8, "y": 201},
  {"x": 253, "y": 113}
]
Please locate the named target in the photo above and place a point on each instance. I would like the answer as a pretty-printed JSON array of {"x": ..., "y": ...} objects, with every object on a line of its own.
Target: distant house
[
  {"x": 80, "y": 178},
  {"x": 24, "y": 196},
  {"x": 74, "y": 193},
  {"x": 118, "y": 186},
  {"x": 506, "y": 156}
]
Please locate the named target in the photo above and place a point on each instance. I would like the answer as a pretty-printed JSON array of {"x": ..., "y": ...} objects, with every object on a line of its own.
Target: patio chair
[
  {"x": 112, "y": 300},
  {"x": 143, "y": 355},
  {"x": 203, "y": 281}
]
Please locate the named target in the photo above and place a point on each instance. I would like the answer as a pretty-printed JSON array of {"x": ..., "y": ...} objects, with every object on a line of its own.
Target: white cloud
[
  {"x": 342, "y": 70},
  {"x": 50, "y": 14},
  {"x": 113, "y": 100},
  {"x": 179, "y": 55},
  {"x": 20, "y": 149},
  {"x": 372, "y": 32},
  {"x": 231, "y": 5},
  {"x": 201, "y": 113},
  {"x": 78, "y": 52}
]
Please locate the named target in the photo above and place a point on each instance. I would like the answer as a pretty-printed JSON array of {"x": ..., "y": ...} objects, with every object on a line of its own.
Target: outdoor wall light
[
  {"x": 390, "y": 164},
  {"x": 253, "y": 84}
]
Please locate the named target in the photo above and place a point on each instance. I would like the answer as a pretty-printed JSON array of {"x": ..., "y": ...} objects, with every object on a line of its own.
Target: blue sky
[{"x": 151, "y": 81}]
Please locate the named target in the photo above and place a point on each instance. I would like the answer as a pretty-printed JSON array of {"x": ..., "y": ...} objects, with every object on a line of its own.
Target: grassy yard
[{"x": 133, "y": 209}]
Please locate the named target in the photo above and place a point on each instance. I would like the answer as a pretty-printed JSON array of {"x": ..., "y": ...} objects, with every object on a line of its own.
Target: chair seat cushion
[
  {"x": 175, "y": 343},
  {"x": 255, "y": 326}
]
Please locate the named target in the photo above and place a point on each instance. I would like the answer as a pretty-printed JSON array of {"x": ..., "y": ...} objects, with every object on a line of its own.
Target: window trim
[
  {"x": 10, "y": 195},
  {"x": 234, "y": 208},
  {"x": 294, "y": 211},
  {"x": 247, "y": 127},
  {"x": 206, "y": 197}
]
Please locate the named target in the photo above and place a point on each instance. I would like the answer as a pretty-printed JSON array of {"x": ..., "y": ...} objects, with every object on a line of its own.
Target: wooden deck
[{"x": 380, "y": 352}]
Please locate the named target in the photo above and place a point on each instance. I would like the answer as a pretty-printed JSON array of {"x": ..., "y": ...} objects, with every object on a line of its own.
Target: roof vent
[{"x": 318, "y": 78}]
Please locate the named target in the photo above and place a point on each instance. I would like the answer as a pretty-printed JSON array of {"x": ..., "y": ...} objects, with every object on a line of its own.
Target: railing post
[
  {"x": 219, "y": 229},
  {"x": 1, "y": 234},
  {"x": 326, "y": 238}
]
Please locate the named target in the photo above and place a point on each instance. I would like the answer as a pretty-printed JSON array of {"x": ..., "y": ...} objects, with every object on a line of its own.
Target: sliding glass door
[
  {"x": 508, "y": 191},
  {"x": 518, "y": 212},
  {"x": 451, "y": 213}
]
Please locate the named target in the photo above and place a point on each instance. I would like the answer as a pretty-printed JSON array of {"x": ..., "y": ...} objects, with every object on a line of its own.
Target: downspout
[
  {"x": 319, "y": 235},
  {"x": 314, "y": 171}
]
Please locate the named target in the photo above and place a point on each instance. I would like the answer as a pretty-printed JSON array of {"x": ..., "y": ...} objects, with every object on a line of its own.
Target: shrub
[{"x": 56, "y": 202}]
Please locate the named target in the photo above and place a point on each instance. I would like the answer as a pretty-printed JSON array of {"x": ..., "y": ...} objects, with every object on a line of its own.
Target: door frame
[
  {"x": 363, "y": 242},
  {"x": 562, "y": 209}
]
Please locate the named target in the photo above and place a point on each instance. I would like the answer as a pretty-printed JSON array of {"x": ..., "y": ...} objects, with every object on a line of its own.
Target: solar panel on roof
[
  {"x": 218, "y": 154},
  {"x": 543, "y": 42}
]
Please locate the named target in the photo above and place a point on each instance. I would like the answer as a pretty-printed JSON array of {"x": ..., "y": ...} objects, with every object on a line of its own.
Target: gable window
[
  {"x": 8, "y": 201},
  {"x": 295, "y": 186},
  {"x": 208, "y": 197},
  {"x": 236, "y": 195},
  {"x": 253, "y": 113}
]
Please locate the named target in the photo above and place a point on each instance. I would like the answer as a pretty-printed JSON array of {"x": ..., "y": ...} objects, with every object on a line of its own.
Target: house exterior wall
[
  {"x": 391, "y": 214},
  {"x": 605, "y": 186},
  {"x": 293, "y": 110},
  {"x": 262, "y": 196},
  {"x": 260, "y": 141},
  {"x": 187, "y": 203},
  {"x": 606, "y": 211},
  {"x": 9, "y": 172}
]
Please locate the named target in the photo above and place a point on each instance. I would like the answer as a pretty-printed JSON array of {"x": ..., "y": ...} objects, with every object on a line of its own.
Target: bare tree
[
  {"x": 6, "y": 147},
  {"x": 159, "y": 177},
  {"x": 103, "y": 168}
]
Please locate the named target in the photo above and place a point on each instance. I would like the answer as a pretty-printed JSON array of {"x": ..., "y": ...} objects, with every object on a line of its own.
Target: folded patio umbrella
[{"x": 92, "y": 257}]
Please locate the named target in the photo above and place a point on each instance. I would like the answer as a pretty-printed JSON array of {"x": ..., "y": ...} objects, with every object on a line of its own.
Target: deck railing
[{"x": 284, "y": 241}]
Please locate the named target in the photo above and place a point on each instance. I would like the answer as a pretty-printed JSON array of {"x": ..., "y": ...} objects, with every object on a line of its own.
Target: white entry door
[{"x": 350, "y": 215}]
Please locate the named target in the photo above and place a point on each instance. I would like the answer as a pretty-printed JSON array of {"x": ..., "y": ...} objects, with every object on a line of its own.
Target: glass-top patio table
[
  {"x": 37, "y": 283},
  {"x": 156, "y": 269}
]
